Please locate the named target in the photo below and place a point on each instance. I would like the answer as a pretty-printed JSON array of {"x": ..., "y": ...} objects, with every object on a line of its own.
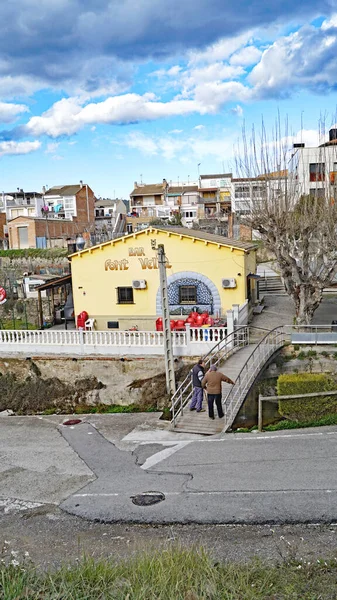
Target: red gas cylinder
[
  {"x": 190, "y": 320},
  {"x": 180, "y": 324},
  {"x": 194, "y": 315},
  {"x": 199, "y": 320},
  {"x": 205, "y": 315},
  {"x": 172, "y": 325},
  {"x": 159, "y": 324},
  {"x": 209, "y": 321}
]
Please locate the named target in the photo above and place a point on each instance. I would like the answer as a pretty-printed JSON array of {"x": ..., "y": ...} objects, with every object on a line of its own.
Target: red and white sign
[{"x": 2, "y": 295}]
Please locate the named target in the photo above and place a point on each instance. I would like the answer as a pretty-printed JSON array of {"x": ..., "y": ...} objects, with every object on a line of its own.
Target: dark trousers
[{"x": 217, "y": 398}]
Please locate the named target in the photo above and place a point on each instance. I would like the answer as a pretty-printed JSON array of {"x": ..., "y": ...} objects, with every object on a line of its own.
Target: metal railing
[
  {"x": 220, "y": 352},
  {"x": 313, "y": 334},
  {"x": 269, "y": 344}
]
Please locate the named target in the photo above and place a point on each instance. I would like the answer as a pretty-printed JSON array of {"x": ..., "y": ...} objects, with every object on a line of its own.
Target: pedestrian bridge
[{"x": 240, "y": 360}]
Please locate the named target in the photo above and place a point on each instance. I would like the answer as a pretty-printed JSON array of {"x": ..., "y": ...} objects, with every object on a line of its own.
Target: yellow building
[{"x": 117, "y": 282}]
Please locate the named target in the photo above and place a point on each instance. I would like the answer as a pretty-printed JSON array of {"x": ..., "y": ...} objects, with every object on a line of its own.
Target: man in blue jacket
[{"x": 198, "y": 373}]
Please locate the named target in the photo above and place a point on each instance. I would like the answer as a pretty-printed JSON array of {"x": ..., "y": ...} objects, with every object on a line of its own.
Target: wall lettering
[
  {"x": 115, "y": 265},
  {"x": 136, "y": 252},
  {"x": 123, "y": 265}
]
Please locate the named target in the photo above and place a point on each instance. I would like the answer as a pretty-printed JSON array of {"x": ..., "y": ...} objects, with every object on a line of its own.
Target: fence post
[
  {"x": 235, "y": 309},
  {"x": 259, "y": 414},
  {"x": 230, "y": 322},
  {"x": 81, "y": 334}
]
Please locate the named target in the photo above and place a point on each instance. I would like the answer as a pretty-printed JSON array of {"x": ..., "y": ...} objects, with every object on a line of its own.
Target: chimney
[
  {"x": 333, "y": 134},
  {"x": 43, "y": 189},
  {"x": 81, "y": 183},
  {"x": 135, "y": 184}
]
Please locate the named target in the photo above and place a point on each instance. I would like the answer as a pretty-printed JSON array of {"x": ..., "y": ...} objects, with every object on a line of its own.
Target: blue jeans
[{"x": 198, "y": 394}]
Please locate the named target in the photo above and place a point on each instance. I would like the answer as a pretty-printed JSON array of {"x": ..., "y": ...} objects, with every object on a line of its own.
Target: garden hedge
[{"x": 306, "y": 383}]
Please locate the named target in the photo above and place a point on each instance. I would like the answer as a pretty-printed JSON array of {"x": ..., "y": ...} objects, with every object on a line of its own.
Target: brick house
[{"x": 67, "y": 212}]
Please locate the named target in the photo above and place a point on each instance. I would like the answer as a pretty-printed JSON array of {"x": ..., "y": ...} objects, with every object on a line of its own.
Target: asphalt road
[
  {"x": 96, "y": 469},
  {"x": 276, "y": 478}
]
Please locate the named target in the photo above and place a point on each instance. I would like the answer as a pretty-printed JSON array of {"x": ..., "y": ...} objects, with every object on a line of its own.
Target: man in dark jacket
[
  {"x": 213, "y": 382},
  {"x": 197, "y": 373}
]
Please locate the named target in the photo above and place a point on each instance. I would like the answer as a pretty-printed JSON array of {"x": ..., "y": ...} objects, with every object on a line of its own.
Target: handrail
[
  {"x": 187, "y": 387},
  {"x": 276, "y": 332}
]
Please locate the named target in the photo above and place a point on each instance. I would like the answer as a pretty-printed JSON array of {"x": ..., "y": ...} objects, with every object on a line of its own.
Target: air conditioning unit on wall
[
  {"x": 229, "y": 283},
  {"x": 139, "y": 284}
]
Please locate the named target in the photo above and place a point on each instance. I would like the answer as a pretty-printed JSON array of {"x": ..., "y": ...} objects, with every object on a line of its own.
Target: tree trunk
[{"x": 307, "y": 299}]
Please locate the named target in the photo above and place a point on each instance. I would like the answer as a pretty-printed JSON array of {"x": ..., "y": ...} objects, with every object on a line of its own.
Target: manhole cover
[
  {"x": 148, "y": 498},
  {"x": 72, "y": 422}
]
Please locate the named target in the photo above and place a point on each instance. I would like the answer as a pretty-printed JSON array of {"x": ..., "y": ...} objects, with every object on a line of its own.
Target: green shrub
[{"x": 306, "y": 409}]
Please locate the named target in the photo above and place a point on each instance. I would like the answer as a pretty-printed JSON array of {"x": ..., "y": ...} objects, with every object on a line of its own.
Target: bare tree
[{"x": 293, "y": 209}]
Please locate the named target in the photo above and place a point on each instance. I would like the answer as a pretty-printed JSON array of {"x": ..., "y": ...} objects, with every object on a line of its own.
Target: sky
[{"x": 113, "y": 92}]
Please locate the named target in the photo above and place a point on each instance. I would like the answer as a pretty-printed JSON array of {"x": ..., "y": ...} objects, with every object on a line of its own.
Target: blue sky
[{"x": 111, "y": 92}]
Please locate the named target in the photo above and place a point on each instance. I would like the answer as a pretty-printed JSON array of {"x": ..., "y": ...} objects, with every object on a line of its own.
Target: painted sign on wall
[{"x": 123, "y": 265}]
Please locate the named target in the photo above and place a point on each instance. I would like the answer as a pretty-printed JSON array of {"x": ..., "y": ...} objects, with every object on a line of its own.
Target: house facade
[
  {"x": 117, "y": 283},
  {"x": 22, "y": 204},
  {"x": 63, "y": 212}
]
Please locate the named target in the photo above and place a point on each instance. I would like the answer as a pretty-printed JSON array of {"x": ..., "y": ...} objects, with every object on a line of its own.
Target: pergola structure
[{"x": 58, "y": 282}]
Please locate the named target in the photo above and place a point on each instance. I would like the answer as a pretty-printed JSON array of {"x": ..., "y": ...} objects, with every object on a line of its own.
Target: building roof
[
  {"x": 106, "y": 202},
  {"x": 64, "y": 190},
  {"x": 216, "y": 176},
  {"x": 219, "y": 240},
  {"x": 274, "y": 175},
  {"x": 56, "y": 282},
  {"x": 208, "y": 237},
  {"x": 53, "y": 220},
  {"x": 23, "y": 194},
  {"x": 179, "y": 189},
  {"x": 148, "y": 189}
]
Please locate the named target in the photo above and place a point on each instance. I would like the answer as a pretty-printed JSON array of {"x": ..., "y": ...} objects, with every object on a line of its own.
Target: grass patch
[
  {"x": 19, "y": 324},
  {"x": 287, "y": 424},
  {"x": 34, "y": 253},
  {"x": 173, "y": 574},
  {"x": 84, "y": 409}
]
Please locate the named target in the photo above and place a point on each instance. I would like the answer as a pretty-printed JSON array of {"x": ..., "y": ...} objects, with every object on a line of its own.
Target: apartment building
[
  {"x": 21, "y": 204},
  {"x": 215, "y": 193},
  {"x": 314, "y": 169}
]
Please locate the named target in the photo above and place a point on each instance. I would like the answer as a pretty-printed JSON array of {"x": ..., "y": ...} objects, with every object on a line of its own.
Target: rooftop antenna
[{"x": 141, "y": 178}]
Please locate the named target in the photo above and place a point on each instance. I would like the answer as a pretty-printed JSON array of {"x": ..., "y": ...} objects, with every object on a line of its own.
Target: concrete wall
[{"x": 114, "y": 374}]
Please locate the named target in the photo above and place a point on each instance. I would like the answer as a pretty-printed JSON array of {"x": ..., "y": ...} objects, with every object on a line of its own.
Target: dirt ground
[{"x": 52, "y": 537}]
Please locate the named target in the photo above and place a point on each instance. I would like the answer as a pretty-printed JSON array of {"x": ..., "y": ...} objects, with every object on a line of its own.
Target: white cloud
[
  {"x": 304, "y": 59},
  {"x": 237, "y": 110},
  {"x": 176, "y": 131},
  {"x": 18, "y": 147},
  {"x": 249, "y": 55},
  {"x": 9, "y": 112},
  {"x": 188, "y": 148},
  {"x": 142, "y": 142},
  {"x": 67, "y": 116},
  {"x": 52, "y": 147},
  {"x": 199, "y": 127},
  {"x": 213, "y": 95},
  {"x": 221, "y": 50},
  {"x": 208, "y": 74}
]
